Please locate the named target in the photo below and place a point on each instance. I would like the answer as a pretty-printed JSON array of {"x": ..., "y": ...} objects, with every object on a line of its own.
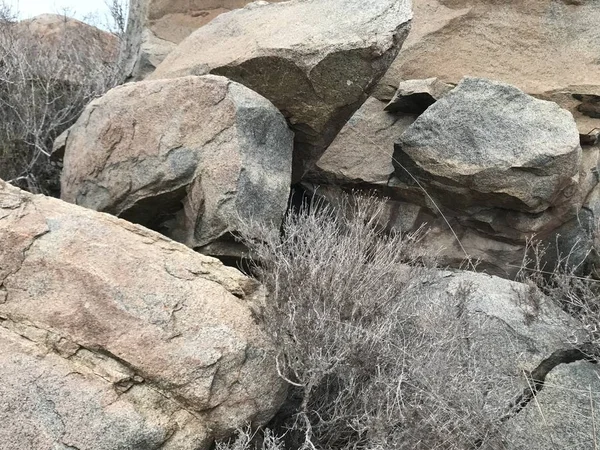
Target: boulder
[
  {"x": 505, "y": 159},
  {"x": 189, "y": 157},
  {"x": 316, "y": 70},
  {"x": 362, "y": 151},
  {"x": 113, "y": 336},
  {"x": 513, "y": 336},
  {"x": 155, "y": 27},
  {"x": 415, "y": 96},
  {"x": 508, "y": 41},
  {"x": 483, "y": 170}
]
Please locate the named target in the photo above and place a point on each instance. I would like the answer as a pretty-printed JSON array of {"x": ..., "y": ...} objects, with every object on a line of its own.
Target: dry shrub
[
  {"x": 372, "y": 363},
  {"x": 44, "y": 86}
]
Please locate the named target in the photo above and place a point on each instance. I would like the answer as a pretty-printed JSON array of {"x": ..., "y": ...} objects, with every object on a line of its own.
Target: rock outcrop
[
  {"x": 155, "y": 27},
  {"x": 189, "y": 157},
  {"x": 112, "y": 336},
  {"x": 317, "y": 71},
  {"x": 511, "y": 42},
  {"x": 519, "y": 340},
  {"x": 501, "y": 166}
]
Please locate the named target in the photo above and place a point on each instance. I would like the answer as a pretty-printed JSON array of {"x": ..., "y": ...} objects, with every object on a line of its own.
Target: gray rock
[
  {"x": 188, "y": 157},
  {"x": 155, "y": 27},
  {"x": 509, "y": 330},
  {"x": 316, "y": 60},
  {"x": 113, "y": 336},
  {"x": 415, "y": 96},
  {"x": 487, "y": 150}
]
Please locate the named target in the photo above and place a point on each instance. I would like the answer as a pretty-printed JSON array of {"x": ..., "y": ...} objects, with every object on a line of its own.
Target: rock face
[
  {"x": 488, "y": 145},
  {"x": 415, "y": 96},
  {"x": 112, "y": 336},
  {"x": 362, "y": 151},
  {"x": 187, "y": 156},
  {"x": 512, "y": 330},
  {"x": 316, "y": 70},
  {"x": 155, "y": 27},
  {"x": 507, "y": 41}
]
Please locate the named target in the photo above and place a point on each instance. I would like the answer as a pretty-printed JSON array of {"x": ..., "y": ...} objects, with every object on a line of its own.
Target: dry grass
[
  {"x": 368, "y": 366},
  {"x": 43, "y": 89}
]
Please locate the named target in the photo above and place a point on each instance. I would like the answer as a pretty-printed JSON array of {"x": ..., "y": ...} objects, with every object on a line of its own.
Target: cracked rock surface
[
  {"x": 511, "y": 329},
  {"x": 315, "y": 69},
  {"x": 187, "y": 157},
  {"x": 112, "y": 333}
]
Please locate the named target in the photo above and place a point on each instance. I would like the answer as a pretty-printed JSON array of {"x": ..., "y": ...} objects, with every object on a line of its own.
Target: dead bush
[
  {"x": 44, "y": 86},
  {"x": 371, "y": 366}
]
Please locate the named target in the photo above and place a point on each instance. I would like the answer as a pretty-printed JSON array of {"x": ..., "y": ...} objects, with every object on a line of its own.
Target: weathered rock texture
[
  {"x": 112, "y": 336},
  {"x": 188, "y": 156},
  {"x": 500, "y": 165},
  {"x": 548, "y": 48},
  {"x": 362, "y": 151},
  {"x": 155, "y": 27},
  {"x": 316, "y": 69},
  {"x": 512, "y": 333},
  {"x": 488, "y": 145}
]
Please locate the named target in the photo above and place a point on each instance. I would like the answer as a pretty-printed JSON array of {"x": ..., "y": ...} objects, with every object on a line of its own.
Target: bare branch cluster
[
  {"x": 44, "y": 86},
  {"x": 372, "y": 363}
]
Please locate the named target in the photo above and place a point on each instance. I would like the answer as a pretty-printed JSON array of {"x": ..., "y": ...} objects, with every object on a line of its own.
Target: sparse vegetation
[
  {"x": 371, "y": 365},
  {"x": 44, "y": 86}
]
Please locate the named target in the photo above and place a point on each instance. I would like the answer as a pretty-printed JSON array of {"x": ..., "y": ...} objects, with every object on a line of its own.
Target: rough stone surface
[
  {"x": 510, "y": 41},
  {"x": 495, "y": 167},
  {"x": 509, "y": 329},
  {"x": 488, "y": 146},
  {"x": 415, "y": 96},
  {"x": 155, "y": 27},
  {"x": 188, "y": 157},
  {"x": 316, "y": 70},
  {"x": 112, "y": 336},
  {"x": 362, "y": 151}
]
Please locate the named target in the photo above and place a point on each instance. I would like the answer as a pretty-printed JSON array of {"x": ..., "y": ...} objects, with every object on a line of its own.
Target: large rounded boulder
[
  {"x": 113, "y": 336},
  {"x": 488, "y": 149},
  {"x": 189, "y": 157}
]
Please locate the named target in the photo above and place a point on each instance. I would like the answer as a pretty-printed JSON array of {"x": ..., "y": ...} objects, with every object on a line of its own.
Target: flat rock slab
[
  {"x": 188, "y": 157},
  {"x": 316, "y": 60},
  {"x": 138, "y": 331},
  {"x": 362, "y": 151},
  {"x": 506, "y": 41},
  {"x": 489, "y": 144}
]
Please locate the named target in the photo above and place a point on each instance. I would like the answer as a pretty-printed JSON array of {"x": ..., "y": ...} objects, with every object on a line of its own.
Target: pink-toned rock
[
  {"x": 155, "y": 27},
  {"x": 187, "y": 156},
  {"x": 547, "y": 48},
  {"x": 316, "y": 60},
  {"x": 146, "y": 324}
]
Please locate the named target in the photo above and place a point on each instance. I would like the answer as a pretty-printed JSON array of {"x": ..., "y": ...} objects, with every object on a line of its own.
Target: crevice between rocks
[{"x": 536, "y": 378}]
